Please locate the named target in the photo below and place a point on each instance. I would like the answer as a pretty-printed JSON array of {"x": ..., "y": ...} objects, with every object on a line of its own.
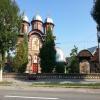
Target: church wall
[{"x": 34, "y": 45}]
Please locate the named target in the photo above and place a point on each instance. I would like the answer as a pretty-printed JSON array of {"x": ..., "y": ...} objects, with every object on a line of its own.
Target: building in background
[
  {"x": 35, "y": 39},
  {"x": 89, "y": 60}
]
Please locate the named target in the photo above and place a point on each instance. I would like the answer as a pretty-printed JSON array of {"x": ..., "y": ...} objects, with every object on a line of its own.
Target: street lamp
[{"x": 98, "y": 36}]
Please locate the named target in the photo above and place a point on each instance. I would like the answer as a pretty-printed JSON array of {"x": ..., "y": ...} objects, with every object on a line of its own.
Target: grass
[
  {"x": 5, "y": 83},
  {"x": 57, "y": 84},
  {"x": 68, "y": 85}
]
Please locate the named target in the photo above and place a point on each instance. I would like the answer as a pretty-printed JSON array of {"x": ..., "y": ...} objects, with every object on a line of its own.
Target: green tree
[
  {"x": 60, "y": 67},
  {"x": 74, "y": 64},
  {"x": 96, "y": 12},
  {"x": 48, "y": 53},
  {"x": 9, "y": 26},
  {"x": 21, "y": 57}
]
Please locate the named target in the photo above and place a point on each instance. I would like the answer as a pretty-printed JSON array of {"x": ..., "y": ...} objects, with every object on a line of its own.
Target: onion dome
[
  {"x": 25, "y": 18},
  {"x": 37, "y": 17},
  {"x": 59, "y": 55},
  {"x": 49, "y": 20}
]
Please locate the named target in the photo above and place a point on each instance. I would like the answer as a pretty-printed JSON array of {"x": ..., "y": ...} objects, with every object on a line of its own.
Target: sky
[{"x": 72, "y": 18}]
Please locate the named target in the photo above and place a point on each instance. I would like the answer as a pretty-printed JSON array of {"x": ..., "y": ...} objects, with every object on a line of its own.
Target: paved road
[{"x": 49, "y": 94}]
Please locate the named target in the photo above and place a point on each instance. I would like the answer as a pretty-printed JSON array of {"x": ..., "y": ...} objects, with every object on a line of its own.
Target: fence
[{"x": 51, "y": 76}]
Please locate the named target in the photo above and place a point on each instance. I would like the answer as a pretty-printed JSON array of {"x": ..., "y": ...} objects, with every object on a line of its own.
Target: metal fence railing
[{"x": 52, "y": 76}]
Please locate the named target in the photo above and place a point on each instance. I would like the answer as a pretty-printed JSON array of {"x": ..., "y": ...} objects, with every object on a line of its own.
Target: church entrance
[
  {"x": 84, "y": 67},
  {"x": 35, "y": 67},
  {"x": 84, "y": 58}
]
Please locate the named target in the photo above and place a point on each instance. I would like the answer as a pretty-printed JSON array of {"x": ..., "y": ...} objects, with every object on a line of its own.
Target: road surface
[{"x": 49, "y": 94}]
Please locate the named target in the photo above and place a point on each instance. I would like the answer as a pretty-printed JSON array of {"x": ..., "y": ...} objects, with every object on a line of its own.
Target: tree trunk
[
  {"x": 1, "y": 66},
  {"x": 1, "y": 73}
]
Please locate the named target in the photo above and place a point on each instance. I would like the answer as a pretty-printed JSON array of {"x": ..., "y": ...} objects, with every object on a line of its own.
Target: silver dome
[
  {"x": 37, "y": 17},
  {"x": 25, "y": 18},
  {"x": 59, "y": 55},
  {"x": 49, "y": 20}
]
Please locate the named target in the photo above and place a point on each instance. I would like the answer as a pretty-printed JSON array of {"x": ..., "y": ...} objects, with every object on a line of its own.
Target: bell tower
[
  {"x": 48, "y": 23},
  {"x": 25, "y": 25},
  {"x": 24, "y": 29},
  {"x": 37, "y": 23}
]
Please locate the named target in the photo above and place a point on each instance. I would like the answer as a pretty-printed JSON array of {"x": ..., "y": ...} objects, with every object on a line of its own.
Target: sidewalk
[
  {"x": 28, "y": 82},
  {"x": 36, "y": 83}
]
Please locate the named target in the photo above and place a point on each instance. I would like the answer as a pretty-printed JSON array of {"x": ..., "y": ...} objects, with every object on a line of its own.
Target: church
[{"x": 35, "y": 39}]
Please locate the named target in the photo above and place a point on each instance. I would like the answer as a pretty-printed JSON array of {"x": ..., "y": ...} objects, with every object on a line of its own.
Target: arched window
[
  {"x": 35, "y": 43},
  {"x": 25, "y": 28}
]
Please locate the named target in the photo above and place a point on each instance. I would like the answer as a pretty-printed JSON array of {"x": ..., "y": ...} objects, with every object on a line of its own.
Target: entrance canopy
[{"x": 84, "y": 54}]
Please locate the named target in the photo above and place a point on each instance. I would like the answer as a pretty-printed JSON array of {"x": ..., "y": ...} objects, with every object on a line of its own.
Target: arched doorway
[
  {"x": 84, "y": 67},
  {"x": 35, "y": 64},
  {"x": 84, "y": 57}
]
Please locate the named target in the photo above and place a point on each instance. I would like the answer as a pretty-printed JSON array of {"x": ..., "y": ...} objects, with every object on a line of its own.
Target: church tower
[
  {"x": 37, "y": 23},
  {"x": 48, "y": 23},
  {"x": 24, "y": 29},
  {"x": 25, "y": 25}
]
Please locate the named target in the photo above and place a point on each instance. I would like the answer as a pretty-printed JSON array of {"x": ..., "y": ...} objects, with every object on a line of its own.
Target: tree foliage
[
  {"x": 74, "y": 64},
  {"x": 48, "y": 53},
  {"x": 21, "y": 57},
  {"x": 9, "y": 25},
  {"x": 60, "y": 67},
  {"x": 96, "y": 12}
]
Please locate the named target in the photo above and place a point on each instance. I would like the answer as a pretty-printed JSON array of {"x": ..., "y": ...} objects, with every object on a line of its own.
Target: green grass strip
[
  {"x": 5, "y": 83},
  {"x": 67, "y": 85}
]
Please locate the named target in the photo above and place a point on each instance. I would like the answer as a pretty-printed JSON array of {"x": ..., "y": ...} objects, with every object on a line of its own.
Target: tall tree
[
  {"x": 74, "y": 65},
  {"x": 9, "y": 26},
  {"x": 96, "y": 12},
  {"x": 21, "y": 57},
  {"x": 60, "y": 67},
  {"x": 96, "y": 16},
  {"x": 48, "y": 53}
]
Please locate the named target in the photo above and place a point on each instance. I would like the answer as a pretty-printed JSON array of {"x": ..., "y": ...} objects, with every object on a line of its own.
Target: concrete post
[{"x": 0, "y": 73}]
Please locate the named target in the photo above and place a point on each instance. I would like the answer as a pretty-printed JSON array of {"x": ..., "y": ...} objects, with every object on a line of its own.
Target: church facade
[{"x": 35, "y": 39}]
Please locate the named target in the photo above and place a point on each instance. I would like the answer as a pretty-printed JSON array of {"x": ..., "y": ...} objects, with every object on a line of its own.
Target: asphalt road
[{"x": 49, "y": 94}]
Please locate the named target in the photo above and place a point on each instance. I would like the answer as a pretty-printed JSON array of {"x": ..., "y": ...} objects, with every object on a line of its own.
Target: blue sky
[{"x": 73, "y": 22}]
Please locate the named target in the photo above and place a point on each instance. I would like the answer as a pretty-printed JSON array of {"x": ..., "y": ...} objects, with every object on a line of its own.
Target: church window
[{"x": 35, "y": 43}]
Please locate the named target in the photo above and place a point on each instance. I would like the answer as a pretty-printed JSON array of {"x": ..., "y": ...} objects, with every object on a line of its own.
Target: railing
[
  {"x": 51, "y": 76},
  {"x": 15, "y": 75},
  {"x": 65, "y": 76}
]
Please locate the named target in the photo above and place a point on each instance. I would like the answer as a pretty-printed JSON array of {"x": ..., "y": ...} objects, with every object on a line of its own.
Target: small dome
[
  {"x": 48, "y": 20},
  {"x": 59, "y": 55},
  {"x": 25, "y": 18},
  {"x": 37, "y": 17}
]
